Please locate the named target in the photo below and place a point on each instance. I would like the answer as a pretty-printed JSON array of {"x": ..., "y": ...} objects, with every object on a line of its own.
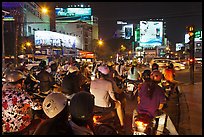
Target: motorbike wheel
[{"x": 104, "y": 129}]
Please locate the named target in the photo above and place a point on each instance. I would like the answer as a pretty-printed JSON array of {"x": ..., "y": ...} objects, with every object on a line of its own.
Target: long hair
[
  {"x": 132, "y": 69},
  {"x": 150, "y": 88}
]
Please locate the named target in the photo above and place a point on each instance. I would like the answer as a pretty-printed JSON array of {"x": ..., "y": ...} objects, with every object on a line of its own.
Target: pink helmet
[{"x": 103, "y": 69}]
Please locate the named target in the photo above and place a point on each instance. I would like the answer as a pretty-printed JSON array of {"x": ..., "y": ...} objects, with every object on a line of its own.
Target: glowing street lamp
[
  {"x": 44, "y": 10},
  {"x": 100, "y": 42}
]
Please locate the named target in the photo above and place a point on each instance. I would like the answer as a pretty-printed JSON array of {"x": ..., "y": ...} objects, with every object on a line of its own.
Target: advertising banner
[
  {"x": 151, "y": 33},
  {"x": 127, "y": 31},
  {"x": 179, "y": 46},
  {"x": 49, "y": 38},
  {"x": 73, "y": 14}
]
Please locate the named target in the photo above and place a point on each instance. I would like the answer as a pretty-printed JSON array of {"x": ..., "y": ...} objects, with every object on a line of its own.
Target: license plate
[{"x": 138, "y": 133}]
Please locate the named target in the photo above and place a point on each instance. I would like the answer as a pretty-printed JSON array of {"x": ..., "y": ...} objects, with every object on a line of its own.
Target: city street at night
[{"x": 101, "y": 68}]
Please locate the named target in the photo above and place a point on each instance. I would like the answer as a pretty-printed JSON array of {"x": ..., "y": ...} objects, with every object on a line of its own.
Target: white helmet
[
  {"x": 103, "y": 69},
  {"x": 72, "y": 69},
  {"x": 54, "y": 103}
]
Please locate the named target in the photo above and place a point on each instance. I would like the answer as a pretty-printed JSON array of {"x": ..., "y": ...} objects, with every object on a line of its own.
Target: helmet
[
  {"x": 146, "y": 74},
  {"x": 156, "y": 75},
  {"x": 54, "y": 103},
  {"x": 170, "y": 66},
  {"x": 155, "y": 66},
  {"x": 14, "y": 76},
  {"x": 72, "y": 69},
  {"x": 42, "y": 64},
  {"x": 103, "y": 69},
  {"x": 82, "y": 105}
]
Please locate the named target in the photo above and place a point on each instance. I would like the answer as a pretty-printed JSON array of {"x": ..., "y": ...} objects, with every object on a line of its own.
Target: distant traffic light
[
  {"x": 191, "y": 61},
  {"x": 191, "y": 33}
]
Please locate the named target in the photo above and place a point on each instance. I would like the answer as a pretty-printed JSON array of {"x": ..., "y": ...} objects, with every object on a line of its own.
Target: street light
[
  {"x": 44, "y": 10},
  {"x": 100, "y": 42}
]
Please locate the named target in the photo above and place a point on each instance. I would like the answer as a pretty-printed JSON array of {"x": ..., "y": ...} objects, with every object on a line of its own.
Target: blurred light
[
  {"x": 100, "y": 42},
  {"x": 82, "y": 5},
  {"x": 28, "y": 44},
  {"x": 44, "y": 10}
]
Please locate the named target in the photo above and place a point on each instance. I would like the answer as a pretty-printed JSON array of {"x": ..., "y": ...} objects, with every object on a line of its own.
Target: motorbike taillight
[
  {"x": 141, "y": 126},
  {"x": 95, "y": 118}
]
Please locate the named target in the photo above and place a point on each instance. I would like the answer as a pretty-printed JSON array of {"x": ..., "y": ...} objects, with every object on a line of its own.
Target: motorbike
[
  {"x": 143, "y": 124},
  {"x": 131, "y": 88},
  {"x": 105, "y": 123},
  {"x": 167, "y": 88}
]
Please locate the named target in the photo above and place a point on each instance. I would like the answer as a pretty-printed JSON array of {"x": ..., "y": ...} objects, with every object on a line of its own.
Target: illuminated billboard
[
  {"x": 49, "y": 38},
  {"x": 151, "y": 33},
  {"x": 179, "y": 46},
  {"x": 127, "y": 31},
  {"x": 73, "y": 14}
]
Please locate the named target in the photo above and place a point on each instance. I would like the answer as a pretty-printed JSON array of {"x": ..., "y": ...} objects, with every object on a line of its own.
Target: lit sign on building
[
  {"x": 121, "y": 22},
  {"x": 48, "y": 38},
  {"x": 127, "y": 31},
  {"x": 73, "y": 14},
  {"x": 198, "y": 36},
  {"x": 179, "y": 46},
  {"x": 151, "y": 33}
]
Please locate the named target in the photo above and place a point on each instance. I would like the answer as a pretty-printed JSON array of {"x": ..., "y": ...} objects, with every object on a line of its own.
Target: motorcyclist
[
  {"x": 73, "y": 81},
  {"x": 155, "y": 66},
  {"x": 120, "y": 68},
  {"x": 103, "y": 91},
  {"x": 150, "y": 99},
  {"x": 133, "y": 73},
  {"x": 81, "y": 111},
  {"x": 145, "y": 77},
  {"x": 169, "y": 75},
  {"x": 53, "y": 66},
  {"x": 45, "y": 78},
  {"x": 16, "y": 105},
  {"x": 55, "y": 106},
  {"x": 117, "y": 85}
]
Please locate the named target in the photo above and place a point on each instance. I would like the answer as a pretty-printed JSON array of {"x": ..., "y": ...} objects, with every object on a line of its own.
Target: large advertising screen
[
  {"x": 49, "y": 38},
  {"x": 127, "y": 31},
  {"x": 151, "y": 33},
  {"x": 73, "y": 14},
  {"x": 179, "y": 46}
]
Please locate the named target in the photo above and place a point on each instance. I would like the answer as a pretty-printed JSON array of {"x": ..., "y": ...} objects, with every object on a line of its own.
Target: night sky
[{"x": 177, "y": 15}]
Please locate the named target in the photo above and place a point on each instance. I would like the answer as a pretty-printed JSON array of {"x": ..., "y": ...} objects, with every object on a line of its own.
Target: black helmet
[
  {"x": 146, "y": 74},
  {"x": 155, "y": 66},
  {"x": 82, "y": 105},
  {"x": 42, "y": 64},
  {"x": 14, "y": 76},
  {"x": 170, "y": 66}
]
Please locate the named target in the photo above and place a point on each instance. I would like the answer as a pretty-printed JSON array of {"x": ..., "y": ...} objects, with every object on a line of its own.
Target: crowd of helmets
[{"x": 55, "y": 102}]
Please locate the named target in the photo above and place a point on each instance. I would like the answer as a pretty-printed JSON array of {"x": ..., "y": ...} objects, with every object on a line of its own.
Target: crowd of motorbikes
[{"x": 103, "y": 123}]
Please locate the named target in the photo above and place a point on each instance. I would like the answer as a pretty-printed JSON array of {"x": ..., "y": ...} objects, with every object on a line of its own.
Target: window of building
[{"x": 29, "y": 29}]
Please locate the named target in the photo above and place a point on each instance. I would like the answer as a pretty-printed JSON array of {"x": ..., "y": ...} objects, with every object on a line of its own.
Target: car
[
  {"x": 178, "y": 65},
  {"x": 163, "y": 62}
]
